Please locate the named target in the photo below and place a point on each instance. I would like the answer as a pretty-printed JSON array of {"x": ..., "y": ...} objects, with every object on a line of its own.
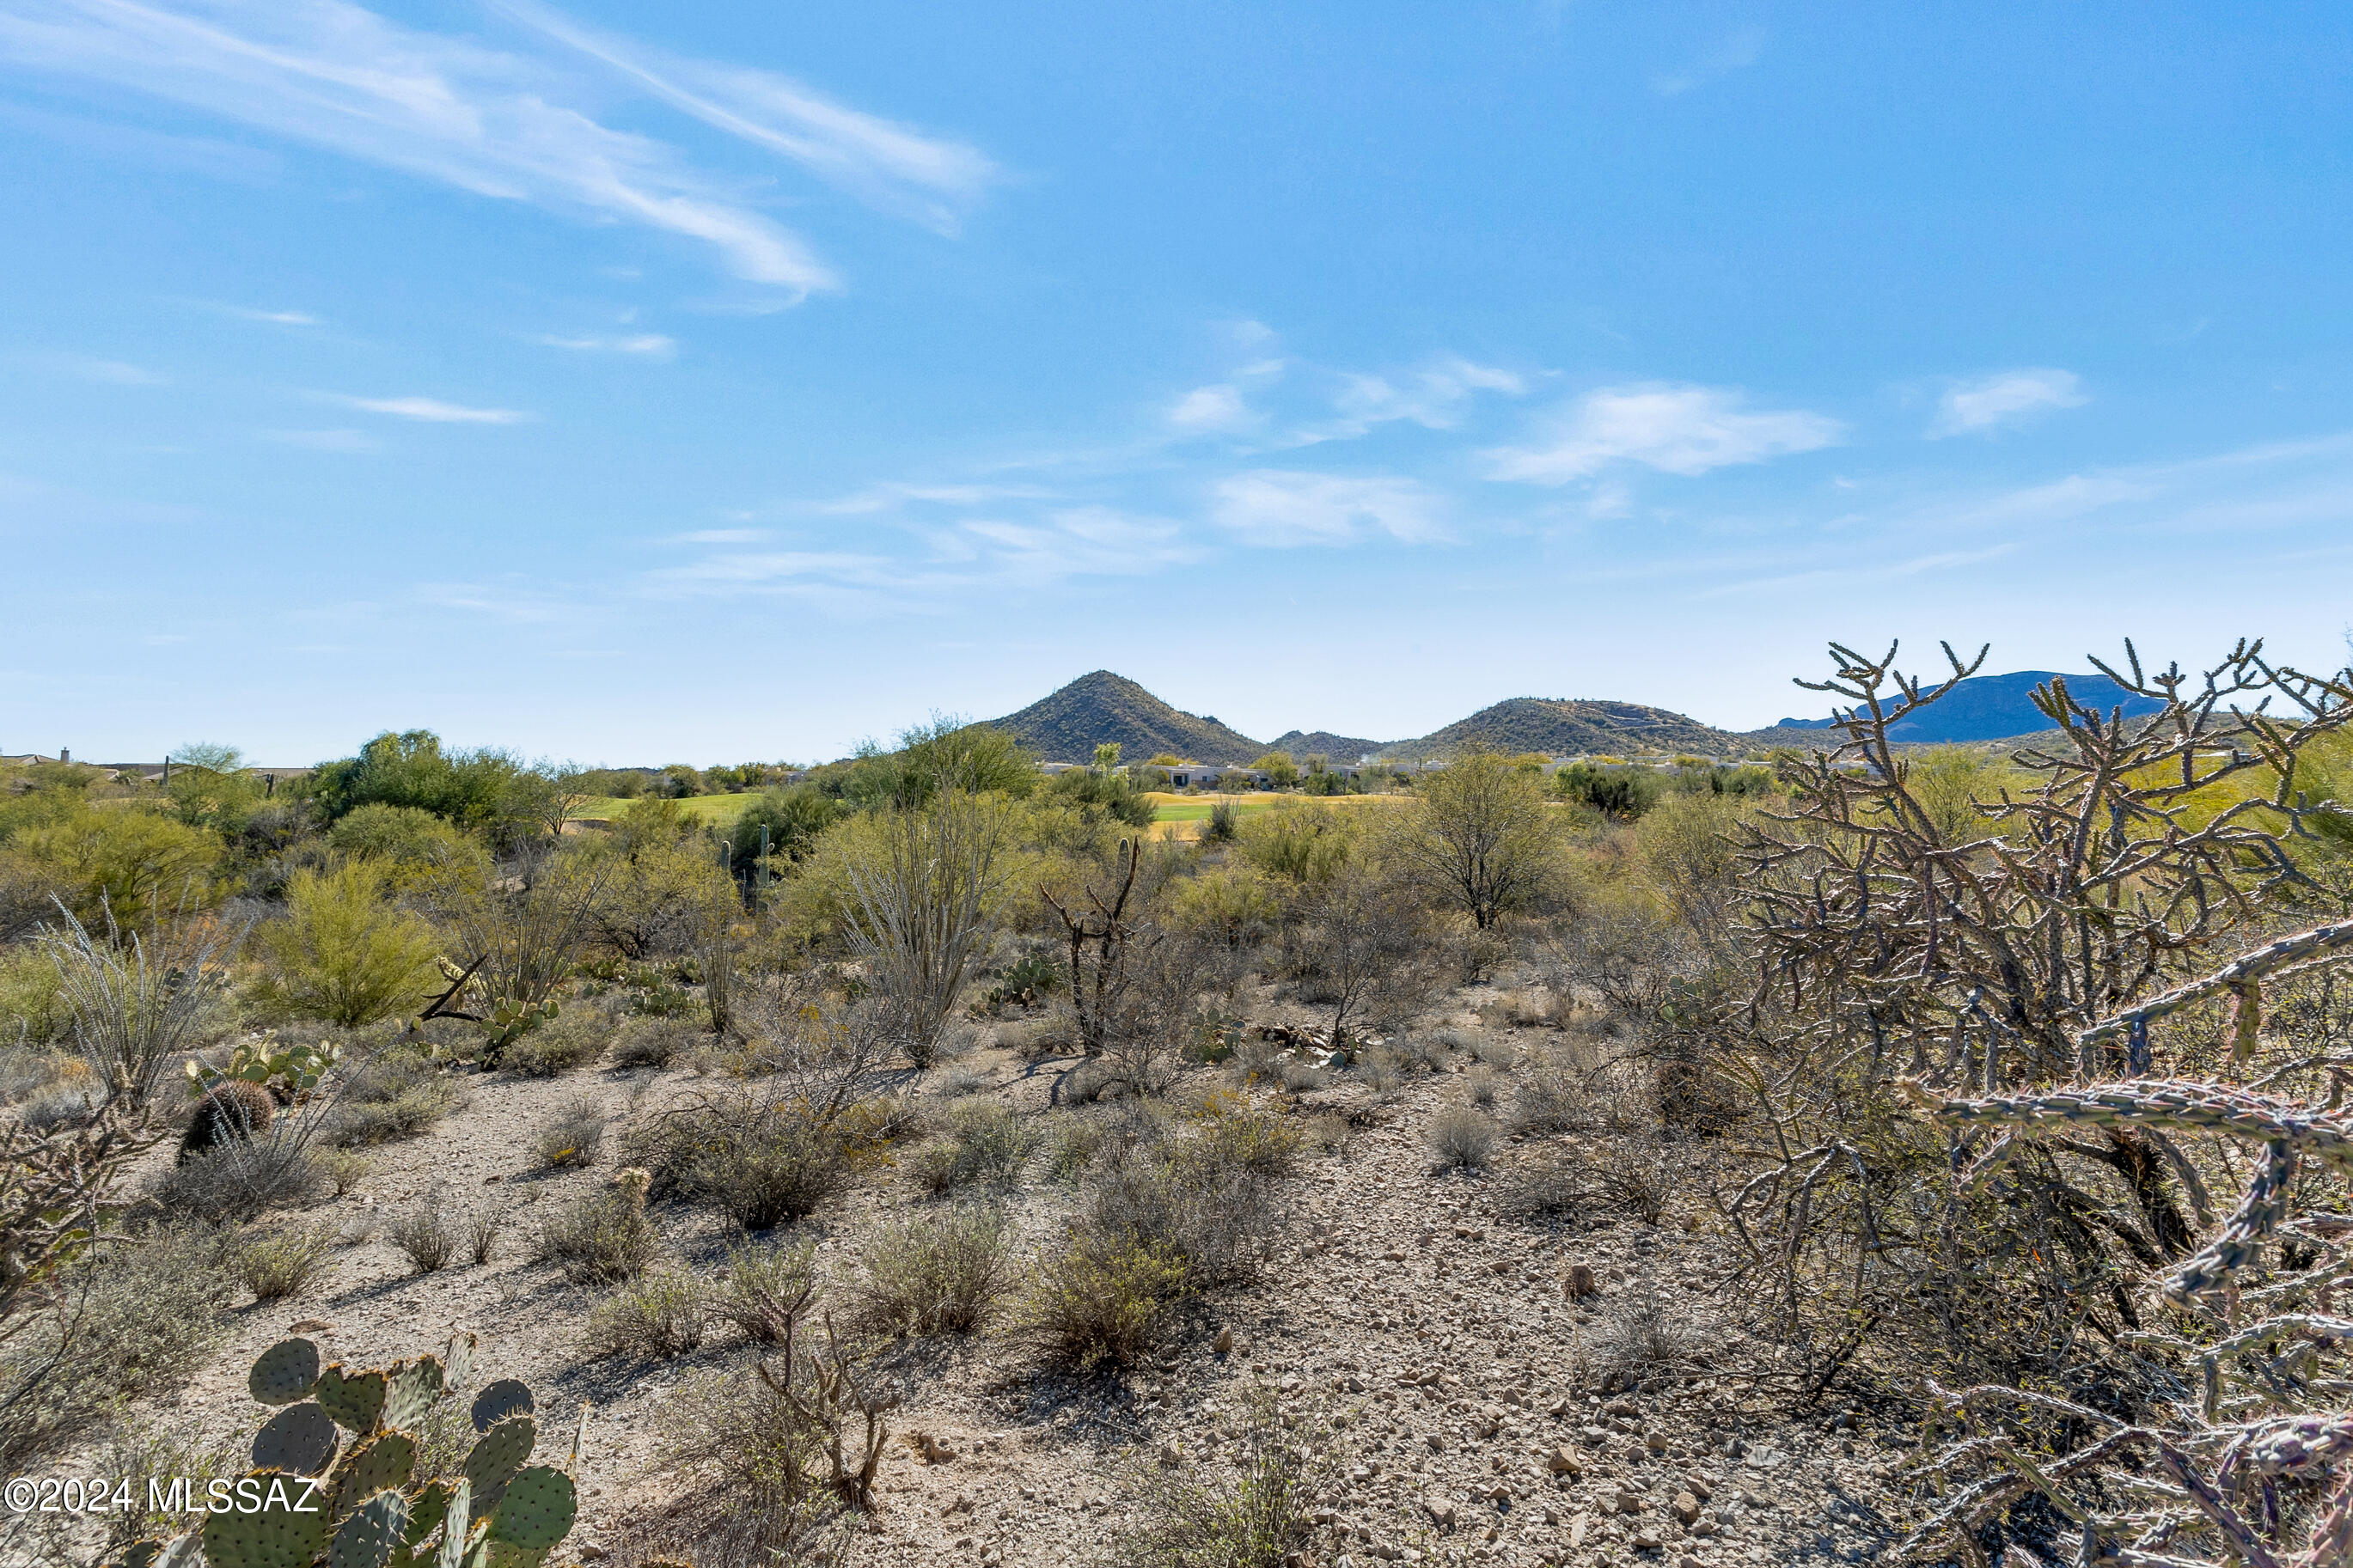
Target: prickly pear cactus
[
  {"x": 295, "y": 1069},
  {"x": 372, "y": 1510},
  {"x": 301, "y": 1438},
  {"x": 355, "y": 1399},
  {"x": 382, "y": 1461},
  {"x": 506, "y": 1398},
  {"x": 280, "y": 1533},
  {"x": 284, "y": 1373},
  {"x": 496, "y": 1457},
  {"x": 366, "y": 1537},
  {"x": 410, "y": 1387}
]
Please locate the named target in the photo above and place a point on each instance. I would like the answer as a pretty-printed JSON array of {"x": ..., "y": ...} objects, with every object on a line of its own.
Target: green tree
[
  {"x": 127, "y": 857},
  {"x": 209, "y": 787},
  {"x": 795, "y": 819},
  {"x": 946, "y": 753},
  {"x": 473, "y": 789},
  {"x": 1107, "y": 757},
  {"x": 1280, "y": 769},
  {"x": 345, "y": 953},
  {"x": 1480, "y": 837}
]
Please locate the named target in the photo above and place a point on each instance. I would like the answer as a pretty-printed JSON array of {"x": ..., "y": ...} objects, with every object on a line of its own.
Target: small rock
[
  {"x": 589, "y": 1553},
  {"x": 1686, "y": 1509},
  {"x": 1171, "y": 1455},
  {"x": 1579, "y": 1283},
  {"x": 1577, "y": 1531},
  {"x": 1561, "y": 1462},
  {"x": 1647, "y": 1541},
  {"x": 310, "y": 1326},
  {"x": 1440, "y": 1509},
  {"x": 1224, "y": 1344},
  {"x": 1630, "y": 1501}
]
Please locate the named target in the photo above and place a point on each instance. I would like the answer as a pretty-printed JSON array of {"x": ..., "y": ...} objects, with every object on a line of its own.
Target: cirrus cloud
[
  {"x": 2002, "y": 399},
  {"x": 1277, "y": 507},
  {"x": 1676, "y": 429}
]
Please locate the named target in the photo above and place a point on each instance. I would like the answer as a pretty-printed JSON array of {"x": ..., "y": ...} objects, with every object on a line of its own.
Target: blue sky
[{"x": 638, "y": 383}]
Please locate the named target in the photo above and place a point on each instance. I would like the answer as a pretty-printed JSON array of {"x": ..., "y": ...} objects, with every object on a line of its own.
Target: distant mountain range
[
  {"x": 1993, "y": 707},
  {"x": 1067, "y": 726}
]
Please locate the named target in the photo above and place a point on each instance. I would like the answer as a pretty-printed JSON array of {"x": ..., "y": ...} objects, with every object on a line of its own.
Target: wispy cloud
[
  {"x": 649, "y": 345},
  {"x": 1684, "y": 430},
  {"x": 1276, "y": 508},
  {"x": 1736, "y": 51},
  {"x": 493, "y": 122},
  {"x": 1209, "y": 409},
  {"x": 887, "y": 166},
  {"x": 1434, "y": 397},
  {"x": 1991, "y": 401},
  {"x": 104, "y": 372},
  {"x": 432, "y": 410},
  {"x": 325, "y": 440},
  {"x": 276, "y": 318}
]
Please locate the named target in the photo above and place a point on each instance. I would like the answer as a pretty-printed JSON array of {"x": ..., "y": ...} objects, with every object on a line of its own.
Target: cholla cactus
[
  {"x": 335, "y": 1482},
  {"x": 2250, "y": 1460},
  {"x": 289, "y": 1073}
]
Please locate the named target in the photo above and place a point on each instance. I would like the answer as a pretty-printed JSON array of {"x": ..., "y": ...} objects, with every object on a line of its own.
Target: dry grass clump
[
  {"x": 1482, "y": 1087},
  {"x": 660, "y": 1315},
  {"x": 1071, "y": 1145},
  {"x": 1640, "y": 1175},
  {"x": 1639, "y": 1338},
  {"x": 283, "y": 1262},
  {"x": 398, "y": 1092},
  {"x": 343, "y": 1169},
  {"x": 571, "y": 1133},
  {"x": 1170, "y": 1214},
  {"x": 1550, "y": 1097},
  {"x": 245, "y": 1177},
  {"x": 602, "y": 1238},
  {"x": 1545, "y": 1186},
  {"x": 426, "y": 1232},
  {"x": 482, "y": 1230},
  {"x": 1258, "y": 1511},
  {"x": 761, "y": 1158},
  {"x": 1382, "y": 1070},
  {"x": 567, "y": 1041},
  {"x": 985, "y": 1142},
  {"x": 1460, "y": 1138},
  {"x": 943, "y": 1273}
]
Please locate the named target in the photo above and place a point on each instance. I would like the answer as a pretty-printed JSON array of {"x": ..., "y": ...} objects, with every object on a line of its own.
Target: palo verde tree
[{"x": 1478, "y": 839}]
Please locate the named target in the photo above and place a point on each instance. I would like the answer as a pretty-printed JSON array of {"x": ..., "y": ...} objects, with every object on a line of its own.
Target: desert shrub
[
  {"x": 1257, "y": 1143},
  {"x": 571, "y": 1133},
  {"x": 1460, "y": 1138},
  {"x": 1501, "y": 1055},
  {"x": 240, "y": 1179},
  {"x": 645, "y": 1042},
  {"x": 1640, "y": 1175},
  {"x": 141, "y": 1447},
  {"x": 1100, "y": 1298},
  {"x": 1071, "y": 1146},
  {"x": 397, "y": 1092},
  {"x": 959, "y": 1082},
  {"x": 482, "y": 1232},
  {"x": 936, "y": 1274},
  {"x": 1223, "y": 824},
  {"x": 660, "y": 1315},
  {"x": 920, "y": 883},
  {"x": 758, "y": 1451},
  {"x": 1380, "y": 1069},
  {"x": 133, "y": 1321},
  {"x": 760, "y": 1289},
  {"x": 427, "y": 1232},
  {"x": 985, "y": 1142},
  {"x": 1256, "y": 1512},
  {"x": 1543, "y": 1186},
  {"x": 343, "y": 1169},
  {"x": 601, "y": 1239},
  {"x": 1299, "y": 1078},
  {"x": 1425, "y": 1053},
  {"x": 1549, "y": 1097},
  {"x": 777, "y": 1169},
  {"x": 33, "y": 1010},
  {"x": 1481, "y": 1088},
  {"x": 569, "y": 1040},
  {"x": 283, "y": 1262},
  {"x": 1640, "y": 1337},
  {"x": 343, "y": 953}
]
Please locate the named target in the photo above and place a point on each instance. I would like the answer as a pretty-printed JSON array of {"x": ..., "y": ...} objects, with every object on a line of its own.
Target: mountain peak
[{"x": 1102, "y": 705}]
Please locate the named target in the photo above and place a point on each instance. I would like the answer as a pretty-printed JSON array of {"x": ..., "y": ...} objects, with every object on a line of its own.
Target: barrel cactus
[{"x": 335, "y": 1483}]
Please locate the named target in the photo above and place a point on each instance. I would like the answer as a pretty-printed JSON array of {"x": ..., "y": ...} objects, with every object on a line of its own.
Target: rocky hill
[
  {"x": 1305, "y": 743},
  {"x": 1569, "y": 726},
  {"x": 1984, "y": 707},
  {"x": 1067, "y": 726}
]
